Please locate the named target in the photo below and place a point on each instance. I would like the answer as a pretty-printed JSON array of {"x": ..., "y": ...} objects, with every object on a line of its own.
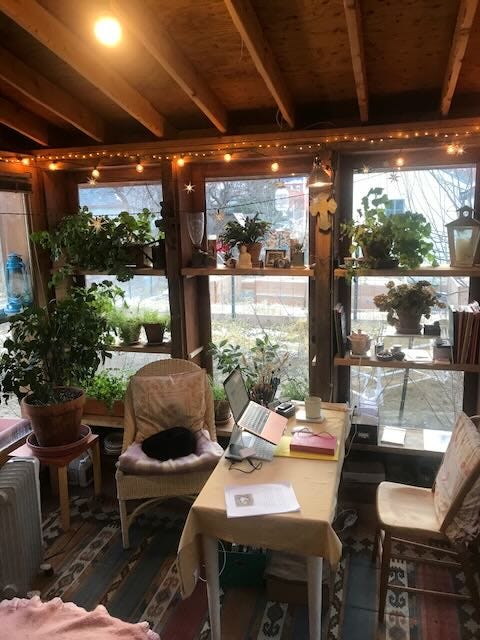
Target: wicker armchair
[{"x": 158, "y": 487}]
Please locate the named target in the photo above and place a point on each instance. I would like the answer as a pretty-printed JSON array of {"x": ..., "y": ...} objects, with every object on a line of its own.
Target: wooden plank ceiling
[{"x": 206, "y": 67}]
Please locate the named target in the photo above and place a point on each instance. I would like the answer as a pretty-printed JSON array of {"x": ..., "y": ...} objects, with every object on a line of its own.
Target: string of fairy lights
[{"x": 273, "y": 151}]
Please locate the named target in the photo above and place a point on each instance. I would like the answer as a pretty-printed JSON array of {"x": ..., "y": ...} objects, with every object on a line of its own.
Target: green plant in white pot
[{"x": 49, "y": 354}]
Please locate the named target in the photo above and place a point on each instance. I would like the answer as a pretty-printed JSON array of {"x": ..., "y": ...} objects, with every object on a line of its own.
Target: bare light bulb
[
  {"x": 451, "y": 149},
  {"x": 95, "y": 173},
  {"x": 53, "y": 166},
  {"x": 227, "y": 157},
  {"x": 180, "y": 162},
  {"x": 108, "y": 31},
  {"x": 274, "y": 166},
  {"x": 400, "y": 161},
  {"x": 25, "y": 162},
  {"x": 139, "y": 167}
]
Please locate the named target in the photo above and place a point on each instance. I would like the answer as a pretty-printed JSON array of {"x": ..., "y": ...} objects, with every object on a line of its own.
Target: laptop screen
[{"x": 236, "y": 393}]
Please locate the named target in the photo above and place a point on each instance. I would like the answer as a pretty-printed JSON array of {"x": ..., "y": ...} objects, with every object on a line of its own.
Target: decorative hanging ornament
[
  {"x": 394, "y": 176},
  {"x": 365, "y": 169},
  {"x": 189, "y": 188},
  {"x": 219, "y": 216}
]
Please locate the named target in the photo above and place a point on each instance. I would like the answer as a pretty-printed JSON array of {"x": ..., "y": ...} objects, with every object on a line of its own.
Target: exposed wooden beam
[
  {"x": 144, "y": 24},
  {"x": 466, "y": 14},
  {"x": 36, "y": 87},
  {"x": 247, "y": 24},
  {"x": 355, "y": 37},
  {"x": 52, "y": 33},
  {"x": 23, "y": 121}
]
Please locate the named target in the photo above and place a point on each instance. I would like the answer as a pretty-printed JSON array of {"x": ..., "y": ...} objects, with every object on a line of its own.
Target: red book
[{"x": 314, "y": 443}]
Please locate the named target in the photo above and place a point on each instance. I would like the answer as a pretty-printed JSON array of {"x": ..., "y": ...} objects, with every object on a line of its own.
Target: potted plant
[
  {"x": 262, "y": 366},
  {"x": 389, "y": 240},
  {"x": 107, "y": 244},
  {"x": 406, "y": 303},
  {"x": 220, "y": 403},
  {"x": 250, "y": 234},
  {"x": 49, "y": 354},
  {"x": 127, "y": 324},
  {"x": 105, "y": 393},
  {"x": 155, "y": 324}
]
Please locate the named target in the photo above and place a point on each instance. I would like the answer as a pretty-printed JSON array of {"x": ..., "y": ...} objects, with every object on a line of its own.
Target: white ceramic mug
[{"x": 313, "y": 407}]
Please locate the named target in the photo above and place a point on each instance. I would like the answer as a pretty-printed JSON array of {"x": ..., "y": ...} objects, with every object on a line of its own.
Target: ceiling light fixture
[
  {"x": 95, "y": 173},
  {"x": 274, "y": 167},
  {"x": 321, "y": 175},
  {"x": 181, "y": 161},
  {"x": 227, "y": 157},
  {"x": 108, "y": 31},
  {"x": 139, "y": 166},
  {"x": 53, "y": 166},
  {"x": 25, "y": 161}
]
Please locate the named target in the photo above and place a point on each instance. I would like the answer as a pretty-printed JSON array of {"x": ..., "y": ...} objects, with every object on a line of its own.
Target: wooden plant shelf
[
  {"x": 94, "y": 420},
  {"x": 442, "y": 271},
  {"x": 145, "y": 271},
  {"x": 304, "y": 272},
  {"x": 405, "y": 364},
  {"x": 142, "y": 347}
]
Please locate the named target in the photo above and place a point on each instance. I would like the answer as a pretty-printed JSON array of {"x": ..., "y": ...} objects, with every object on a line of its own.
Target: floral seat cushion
[{"x": 134, "y": 461}]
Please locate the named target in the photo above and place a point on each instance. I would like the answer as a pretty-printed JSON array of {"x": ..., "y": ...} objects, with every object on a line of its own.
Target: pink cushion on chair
[
  {"x": 134, "y": 461},
  {"x": 461, "y": 459},
  {"x": 162, "y": 402},
  {"x": 22, "y": 619}
]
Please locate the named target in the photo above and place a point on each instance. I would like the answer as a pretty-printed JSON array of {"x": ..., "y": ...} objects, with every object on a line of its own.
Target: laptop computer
[
  {"x": 251, "y": 416},
  {"x": 245, "y": 445}
]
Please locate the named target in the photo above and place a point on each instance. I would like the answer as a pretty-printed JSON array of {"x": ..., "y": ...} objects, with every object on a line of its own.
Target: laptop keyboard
[{"x": 256, "y": 417}]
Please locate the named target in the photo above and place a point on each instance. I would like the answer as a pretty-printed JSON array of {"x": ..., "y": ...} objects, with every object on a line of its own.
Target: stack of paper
[
  {"x": 260, "y": 499},
  {"x": 394, "y": 435}
]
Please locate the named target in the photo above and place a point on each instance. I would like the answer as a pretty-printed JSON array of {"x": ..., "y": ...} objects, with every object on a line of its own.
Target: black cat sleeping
[{"x": 170, "y": 444}]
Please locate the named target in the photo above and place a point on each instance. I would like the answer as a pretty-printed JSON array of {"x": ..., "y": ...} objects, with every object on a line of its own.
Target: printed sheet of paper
[
  {"x": 260, "y": 499},
  {"x": 436, "y": 440}
]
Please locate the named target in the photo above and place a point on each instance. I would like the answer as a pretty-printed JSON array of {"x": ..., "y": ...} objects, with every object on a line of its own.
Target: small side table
[{"x": 60, "y": 479}]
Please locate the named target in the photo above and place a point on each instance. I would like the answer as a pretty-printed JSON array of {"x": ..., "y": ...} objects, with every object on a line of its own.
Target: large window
[
  {"x": 244, "y": 308},
  {"x": 422, "y": 397},
  {"x": 141, "y": 292}
]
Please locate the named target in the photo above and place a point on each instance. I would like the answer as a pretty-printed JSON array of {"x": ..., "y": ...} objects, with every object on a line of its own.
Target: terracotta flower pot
[
  {"x": 254, "y": 250},
  {"x": 56, "y": 424},
  {"x": 155, "y": 332},
  {"x": 408, "y": 322},
  {"x": 222, "y": 411},
  {"x": 96, "y": 407}
]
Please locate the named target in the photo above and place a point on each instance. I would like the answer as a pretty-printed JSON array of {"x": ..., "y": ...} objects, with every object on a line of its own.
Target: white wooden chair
[
  {"x": 154, "y": 488},
  {"x": 449, "y": 512}
]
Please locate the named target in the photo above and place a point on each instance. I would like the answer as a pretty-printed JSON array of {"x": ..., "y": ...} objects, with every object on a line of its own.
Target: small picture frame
[{"x": 271, "y": 255}]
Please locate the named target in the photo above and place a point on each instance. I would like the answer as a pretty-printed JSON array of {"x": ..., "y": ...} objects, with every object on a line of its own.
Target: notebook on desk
[{"x": 321, "y": 443}]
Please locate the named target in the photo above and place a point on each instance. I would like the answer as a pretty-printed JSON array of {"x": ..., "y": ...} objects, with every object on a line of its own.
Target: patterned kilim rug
[{"x": 92, "y": 568}]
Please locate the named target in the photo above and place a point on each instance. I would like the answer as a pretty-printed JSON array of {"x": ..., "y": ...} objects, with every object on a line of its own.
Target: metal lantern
[
  {"x": 19, "y": 293},
  {"x": 463, "y": 238}
]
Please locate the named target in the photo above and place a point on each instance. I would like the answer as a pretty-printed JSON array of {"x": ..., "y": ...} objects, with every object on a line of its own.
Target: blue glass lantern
[{"x": 19, "y": 292}]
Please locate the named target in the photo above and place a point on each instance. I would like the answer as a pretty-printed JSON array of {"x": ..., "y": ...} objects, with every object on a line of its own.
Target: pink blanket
[{"x": 22, "y": 619}]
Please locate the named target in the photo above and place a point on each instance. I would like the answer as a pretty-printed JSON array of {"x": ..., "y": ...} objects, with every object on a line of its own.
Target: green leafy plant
[
  {"x": 387, "y": 240},
  {"x": 218, "y": 390},
  {"x": 127, "y": 323},
  {"x": 95, "y": 243},
  {"x": 61, "y": 345},
  {"x": 418, "y": 298},
  {"x": 261, "y": 366},
  {"x": 150, "y": 316},
  {"x": 295, "y": 389},
  {"x": 253, "y": 230},
  {"x": 107, "y": 387}
]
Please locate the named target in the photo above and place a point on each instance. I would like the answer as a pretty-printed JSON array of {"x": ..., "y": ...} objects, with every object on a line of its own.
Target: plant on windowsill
[
  {"x": 126, "y": 323},
  {"x": 52, "y": 352},
  {"x": 388, "y": 240},
  {"x": 220, "y": 403},
  {"x": 406, "y": 303},
  {"x": 104, "y": 244},
  {"x": 262, "y": 366},
  {"x": 105, "y": 394},
  {"x": 155, "y": 324},
  {"x": 250, "y": 234}
]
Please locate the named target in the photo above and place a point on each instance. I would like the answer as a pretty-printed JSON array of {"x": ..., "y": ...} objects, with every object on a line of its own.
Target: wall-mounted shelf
[
  {"x": 304, "y": 272},
  {"x": 442, "y": 271},
  {"x": 93, "y": 420},
  {"x": 142, "y": 347},
  {"x": 144, "y": 271},
  {"x": 405, "y": 364}
]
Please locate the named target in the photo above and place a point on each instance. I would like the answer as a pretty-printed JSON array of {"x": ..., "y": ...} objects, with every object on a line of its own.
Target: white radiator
[{"x": 21, "y": 544}]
